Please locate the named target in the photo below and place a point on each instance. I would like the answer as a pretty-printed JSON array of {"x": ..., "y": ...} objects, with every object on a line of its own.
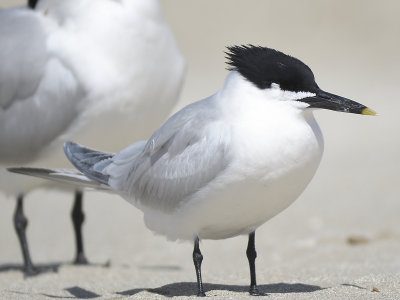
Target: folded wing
[{"x": 183, "y": 156}]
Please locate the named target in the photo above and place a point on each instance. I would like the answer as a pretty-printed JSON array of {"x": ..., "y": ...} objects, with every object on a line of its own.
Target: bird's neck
[{"x": 239, "y": 98}]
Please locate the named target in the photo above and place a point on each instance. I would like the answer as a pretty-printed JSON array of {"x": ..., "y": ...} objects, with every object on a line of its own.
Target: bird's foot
[
  {"x": 201, "y": 294},
  {"x": 81, "y": 259},
  {"x": 30, "y": 271},
  {"x": 255, "y": 292}
]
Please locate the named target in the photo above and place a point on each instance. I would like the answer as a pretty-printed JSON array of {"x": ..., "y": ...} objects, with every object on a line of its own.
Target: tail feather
[
  {"x": 89, "y": 161},
  {"x": 67, "y": 176}
]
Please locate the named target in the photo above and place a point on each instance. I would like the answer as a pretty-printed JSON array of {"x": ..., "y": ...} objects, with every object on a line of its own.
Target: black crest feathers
[{"x": 263, "y": 66}]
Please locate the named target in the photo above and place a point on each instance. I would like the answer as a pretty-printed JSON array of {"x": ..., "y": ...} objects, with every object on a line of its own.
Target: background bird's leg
[
  {"x": 251, "y": 256},
  {"x": 197, "y": 259},
  {"x": 20, "y": 224},
  {"x": 78, "y": 218}
]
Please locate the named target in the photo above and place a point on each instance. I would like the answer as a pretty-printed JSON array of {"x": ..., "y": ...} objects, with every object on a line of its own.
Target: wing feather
[
  {"x": 39, "y": 93},
  {"x": 184, "y": 155},
  {"x": 66, "y": 176},
  {"x": 23, "y": 54}
]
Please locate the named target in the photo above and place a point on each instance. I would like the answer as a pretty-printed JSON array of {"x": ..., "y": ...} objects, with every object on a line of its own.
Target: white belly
[
  {"x": 259, "y": 183},
  {"x": 236, "y": 208}
]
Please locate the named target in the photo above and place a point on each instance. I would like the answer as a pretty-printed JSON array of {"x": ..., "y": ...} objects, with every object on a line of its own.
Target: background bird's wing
[
  {"x": 38, "y": 92},
  {"x": 184, "y": 155},
  {"x": 23, "y": 54}
]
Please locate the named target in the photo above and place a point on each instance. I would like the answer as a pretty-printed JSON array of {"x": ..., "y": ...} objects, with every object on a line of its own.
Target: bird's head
[{"x": 270, "y": 69}]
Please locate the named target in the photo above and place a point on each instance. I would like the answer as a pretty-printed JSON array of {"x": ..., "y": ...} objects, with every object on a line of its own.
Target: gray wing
[
  {"x": 39, "y": 94},
  {"x": 23, "y": 54},
  {"x": 184, "y": 155},
  {"x": 89, "y": 161}
]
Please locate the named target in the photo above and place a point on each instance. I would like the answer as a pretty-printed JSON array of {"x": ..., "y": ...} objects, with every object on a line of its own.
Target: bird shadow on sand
[
  {"x": 190, "y": 289},
  {"x": 40, "y": 268},
  {"x": 46, "y": 268},
  {"x": 75, "y": 292}
]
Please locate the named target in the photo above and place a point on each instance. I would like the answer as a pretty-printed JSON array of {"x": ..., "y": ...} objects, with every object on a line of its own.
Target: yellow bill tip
[{"x": 368, "y": 111}]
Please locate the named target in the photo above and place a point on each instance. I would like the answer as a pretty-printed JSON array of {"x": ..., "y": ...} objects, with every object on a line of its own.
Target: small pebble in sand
[{"x": 357, "y": 240}]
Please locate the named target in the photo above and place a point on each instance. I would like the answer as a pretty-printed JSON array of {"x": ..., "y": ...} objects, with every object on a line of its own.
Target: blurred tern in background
[
  {"x": 198, "y": 174},
  {"x": 81, "y": 70}
]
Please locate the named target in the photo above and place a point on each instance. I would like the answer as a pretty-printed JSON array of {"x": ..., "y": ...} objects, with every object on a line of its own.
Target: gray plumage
[
  {"x": 66, "y": 176},
  {"x": 179, "y": 159},
  {"x": 84, "y": 159}
]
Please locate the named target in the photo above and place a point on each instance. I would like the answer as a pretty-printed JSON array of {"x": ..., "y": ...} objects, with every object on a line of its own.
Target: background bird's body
[
  {"x": 65, "y": 76},
  {"x": 81, "y": 70},
  {"x": 84, "y": 75}
]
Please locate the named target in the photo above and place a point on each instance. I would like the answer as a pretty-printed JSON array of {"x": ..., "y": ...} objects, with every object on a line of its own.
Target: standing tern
[
  {"x": 196, "y": 177},
  {"x": 81, "y": 70}
]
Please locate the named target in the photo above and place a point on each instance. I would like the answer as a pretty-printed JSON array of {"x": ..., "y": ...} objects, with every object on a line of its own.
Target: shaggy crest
[{"x": 263, "y": 66}]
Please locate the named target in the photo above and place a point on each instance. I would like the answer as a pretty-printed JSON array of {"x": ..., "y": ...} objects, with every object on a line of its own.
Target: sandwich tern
[
  {"x": 80, "y": 69},
  {"x": 195, "y": 178}
]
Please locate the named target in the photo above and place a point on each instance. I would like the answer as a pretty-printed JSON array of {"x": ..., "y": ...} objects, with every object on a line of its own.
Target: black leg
[
  {"x": 251, "y": 256},
  {"x": 20, "y": 224},
  {"x": 197, "y": 259},
  {"x": 78, "y": 218}
]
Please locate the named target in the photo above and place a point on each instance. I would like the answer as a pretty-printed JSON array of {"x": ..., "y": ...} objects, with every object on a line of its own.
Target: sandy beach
[{"x": 339, "y": 240}]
